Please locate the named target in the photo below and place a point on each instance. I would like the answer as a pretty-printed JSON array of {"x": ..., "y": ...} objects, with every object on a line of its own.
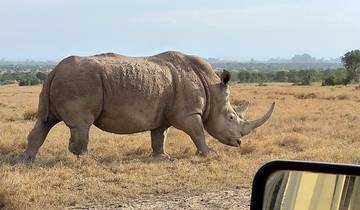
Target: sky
[{"x": 227, "y": 29}]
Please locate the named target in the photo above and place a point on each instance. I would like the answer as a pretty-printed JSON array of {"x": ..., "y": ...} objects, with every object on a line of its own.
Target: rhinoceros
[{"x": 125, "y": 95}]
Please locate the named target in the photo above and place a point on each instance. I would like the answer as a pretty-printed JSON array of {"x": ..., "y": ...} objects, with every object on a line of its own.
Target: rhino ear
[
  {"x": 242, "y": 108},
  {"x": 225, "y": 77},
  {"x": 218, "y": 73}
]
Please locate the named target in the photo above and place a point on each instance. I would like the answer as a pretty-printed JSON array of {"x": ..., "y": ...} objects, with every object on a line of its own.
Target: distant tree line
[
  {"x": 26, "y": 74},
  {"x": 339, "y": 76},
  {"x": 253, "y": 66},
  {"x": 299, "y": 77},
  {"x": 25, "y": 67},
  {"x": 23, "y": 78}
]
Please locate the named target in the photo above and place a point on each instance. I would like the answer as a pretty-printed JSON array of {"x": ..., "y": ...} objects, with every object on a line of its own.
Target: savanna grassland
[{"x": 309, "y": 123}]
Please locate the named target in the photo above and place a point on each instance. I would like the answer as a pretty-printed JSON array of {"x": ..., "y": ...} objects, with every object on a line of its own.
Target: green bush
[
  {"x": 29, "y": 81},
  {"x": 23, "y": 83},
  {"x": 330, "y": 81},
  {"x": 8, "y": 82}
]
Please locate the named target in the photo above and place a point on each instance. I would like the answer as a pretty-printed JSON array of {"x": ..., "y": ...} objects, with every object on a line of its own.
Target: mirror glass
[{"x": 299, "y": 190}]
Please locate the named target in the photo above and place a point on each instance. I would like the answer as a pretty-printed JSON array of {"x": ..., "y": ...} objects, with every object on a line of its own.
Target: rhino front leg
[
  {"x": 158, "y": 138},
  {"x": 193, "y": 126}
]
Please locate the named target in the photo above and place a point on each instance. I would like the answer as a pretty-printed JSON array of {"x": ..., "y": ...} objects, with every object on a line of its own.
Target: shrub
[
  {"x": 330, "y": 81},
  {"x": 306, "y": 96},
  {"x": 30, "y": 115},
  {"x": 262, "y": 84},
  {"x": 35, "y": 81},
  {"x": 336, "y": 80},
  {"x": 303, "y": 83},
  {"x": 238, "y": 102},
  {"x": 8, "y": 82},
  {"x": 292, "y": 143},
  {"x": 23, "y": 83},
  {"x": 42, "y": 76},
  {"x": 29, "y": 81}
]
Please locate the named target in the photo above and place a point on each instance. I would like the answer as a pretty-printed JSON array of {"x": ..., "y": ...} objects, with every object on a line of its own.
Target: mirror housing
[{"x": 275, "y": 171}]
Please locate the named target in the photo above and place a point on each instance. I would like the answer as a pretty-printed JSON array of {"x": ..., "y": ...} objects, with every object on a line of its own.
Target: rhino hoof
[
  {"x": 77, "y": 149},
  {"x": 208, "y": 154},
  {"x": 161, "y": 156},
  {"x": 26, "y": 158}
]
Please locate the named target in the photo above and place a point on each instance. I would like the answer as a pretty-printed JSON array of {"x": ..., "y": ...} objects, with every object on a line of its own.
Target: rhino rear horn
[{"x": 241, "y": 108}]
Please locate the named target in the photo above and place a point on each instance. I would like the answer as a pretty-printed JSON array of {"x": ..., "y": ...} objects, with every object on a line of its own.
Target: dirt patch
[{"x": 238, "y": 198}]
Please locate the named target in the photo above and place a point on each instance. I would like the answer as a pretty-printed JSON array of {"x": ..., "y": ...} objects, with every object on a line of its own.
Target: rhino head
[{"x": 226, "y": 123}]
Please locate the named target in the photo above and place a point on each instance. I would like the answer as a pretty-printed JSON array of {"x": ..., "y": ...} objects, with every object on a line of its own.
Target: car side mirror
[{"x": 303, "y": 185}]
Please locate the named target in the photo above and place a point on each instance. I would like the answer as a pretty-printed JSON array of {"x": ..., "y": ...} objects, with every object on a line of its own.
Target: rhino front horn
[{"x": 248, "y": 126}]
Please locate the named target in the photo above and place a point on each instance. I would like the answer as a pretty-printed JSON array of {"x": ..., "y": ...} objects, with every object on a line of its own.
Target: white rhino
[{"x": 125, "y": 95}]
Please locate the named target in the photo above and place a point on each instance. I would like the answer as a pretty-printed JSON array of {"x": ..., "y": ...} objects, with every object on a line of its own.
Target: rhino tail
[{"x": 44, "y": 98}]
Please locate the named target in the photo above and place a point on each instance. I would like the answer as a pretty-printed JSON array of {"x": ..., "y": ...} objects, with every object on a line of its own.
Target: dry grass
[
  {"x": 119, "y": 167},
  {"x": 237, "y": 102}
]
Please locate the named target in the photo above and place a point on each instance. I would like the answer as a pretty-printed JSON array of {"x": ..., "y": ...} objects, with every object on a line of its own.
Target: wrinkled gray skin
[{"x": 125, "y": 95}]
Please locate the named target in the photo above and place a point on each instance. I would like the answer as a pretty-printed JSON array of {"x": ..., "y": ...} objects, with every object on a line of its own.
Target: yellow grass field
[{"x": 309, "y": 123}]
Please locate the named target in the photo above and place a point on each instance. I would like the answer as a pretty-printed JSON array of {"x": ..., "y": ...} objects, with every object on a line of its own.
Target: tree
[
  {"x": 281, "y": 76},
  {"x": 351, "y": 62},
  {"x": 293, "y": 76},
  {"x": 41, "y": 76},
  {"x": 34, "y": 81},
  {"x": 244, "y": 76}
]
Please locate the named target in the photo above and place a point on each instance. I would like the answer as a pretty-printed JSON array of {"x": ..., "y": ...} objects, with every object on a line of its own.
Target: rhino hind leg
[
  {"x": 37, "y": 137},
  {"x": 79, "y": 139},
  {"x": 193, "y": 126},
  {"x": 79, "y": 115},
  {"x": 158, "y": 138}
]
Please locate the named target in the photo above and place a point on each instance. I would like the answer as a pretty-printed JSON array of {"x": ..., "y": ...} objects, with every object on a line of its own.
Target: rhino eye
[{"x": 232, "y": 117}]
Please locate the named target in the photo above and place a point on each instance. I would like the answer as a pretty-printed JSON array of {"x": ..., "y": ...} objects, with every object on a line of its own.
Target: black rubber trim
[{"x": 257, "y": 194}]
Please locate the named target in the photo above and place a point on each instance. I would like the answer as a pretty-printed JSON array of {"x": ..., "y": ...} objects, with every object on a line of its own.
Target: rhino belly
[{"x": 130, "y": 115}]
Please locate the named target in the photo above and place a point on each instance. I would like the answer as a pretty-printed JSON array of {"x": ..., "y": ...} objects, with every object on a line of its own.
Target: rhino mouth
[{"x": 234, "y": 142}]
